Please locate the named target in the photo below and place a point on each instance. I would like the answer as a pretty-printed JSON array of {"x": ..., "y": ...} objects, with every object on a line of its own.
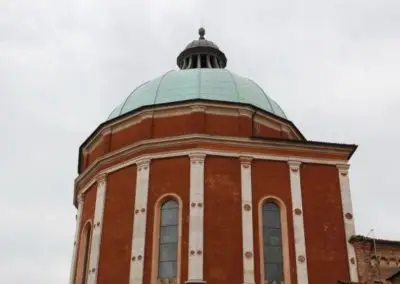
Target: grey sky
[{"x": 333, "y": 66}]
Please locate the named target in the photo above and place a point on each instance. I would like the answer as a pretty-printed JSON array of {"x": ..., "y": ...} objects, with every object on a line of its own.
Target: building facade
[
  {"x": 378, "y": 260},
  {"x": 199, "y": 177}
]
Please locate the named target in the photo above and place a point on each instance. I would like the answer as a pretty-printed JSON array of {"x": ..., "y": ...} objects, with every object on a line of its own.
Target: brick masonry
[{"x": 223, "y": 259}]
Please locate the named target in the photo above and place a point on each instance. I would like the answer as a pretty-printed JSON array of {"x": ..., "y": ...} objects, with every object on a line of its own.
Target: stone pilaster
[
  {"x": 247, "y": 221},
  {"x": 349, "y": 227},
  {"x": 139, "y": 223},
  {"x": 196, "y": 219},
  {"x": 97, "y": 229},
  {"x": 298, "y": 222},
  {"x": 76, "y": 238}
]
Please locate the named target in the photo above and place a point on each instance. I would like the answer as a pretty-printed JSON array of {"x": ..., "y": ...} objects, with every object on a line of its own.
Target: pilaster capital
[
  {"x": 197, "y": 158},
  {"x": 143, "y": 164},
  {"x": 343, "y": 169},
  {"x": 294, "y": 165},
  {"x": 245, "y": 161},
  {"x": 102, "y": 179},
  {"x": 80, "y": 198}
]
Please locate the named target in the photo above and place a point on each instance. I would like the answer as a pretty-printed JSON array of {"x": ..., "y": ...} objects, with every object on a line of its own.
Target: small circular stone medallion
[
  {"x": 193, "y": 204},
  {"x": 297, "y": 211},
  {"x": 248, "y": 254},
  {"x": 142, "y": 210},
  {"x": 199, "y": 252},
  {"x": 192, "y": 252},
  {"x": 200, "y": 204},
  {"x": 139, "y": 257},
  {"x": 133, "y": 258},
  {"x": 348, "y": 216},
  {"x": 247, "y": 207},
  {"x": 301, "y": 258},
  {"x": 136, "y": 211},
  {"x": 352, "y": 260}
]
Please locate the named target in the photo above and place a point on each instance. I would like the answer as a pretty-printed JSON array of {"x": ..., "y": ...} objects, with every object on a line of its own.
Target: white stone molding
[
  {"x": 298, "y": 222},
  {"x": 349, "y": 226},
  {"x": 196, "y": 219},
  {"x": 76, "y": 238},
  {"x": 179, "y": 153},
  {"x": 247, "y": 221},
  {"x": 97, "y": 229},
  {"x": 139, "y": 223}
]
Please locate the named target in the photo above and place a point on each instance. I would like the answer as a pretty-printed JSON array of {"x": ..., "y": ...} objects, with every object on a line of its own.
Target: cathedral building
[{"x": 198, "y": 176}]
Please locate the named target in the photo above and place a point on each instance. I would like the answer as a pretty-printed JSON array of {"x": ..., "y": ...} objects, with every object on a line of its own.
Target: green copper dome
[{"x": 214, "y": 84}]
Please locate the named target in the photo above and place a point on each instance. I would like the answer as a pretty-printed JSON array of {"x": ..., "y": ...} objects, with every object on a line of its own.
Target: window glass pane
[
  {"x": 270, "y": 206},
  {"x": 271, "y": 219},
  {"x": 170, "y": 204},
  {"x": 169, "y": 217},
  {"x": 272, "y": 254},
  {"x": 272, "y": 236},
  {"x": 167, "y": 269},
  {"x": 169, "y": 234},
  {"x": 168, "y": 252},
  {"x": 273, "y": 272},
  {"x": 273, "y": 257}
]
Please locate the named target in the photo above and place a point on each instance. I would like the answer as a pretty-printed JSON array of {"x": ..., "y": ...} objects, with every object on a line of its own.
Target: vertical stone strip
[
  {"x": 195, "y": 265},
  {"x": 247, "y": 222},
  {"x": 349, "y": 227},
  {"x": 97, "y": 229},
  {"x": 76, "y": 238},
  {"x": 139, "y": 222},
  {"x": 298, "y": 222}
]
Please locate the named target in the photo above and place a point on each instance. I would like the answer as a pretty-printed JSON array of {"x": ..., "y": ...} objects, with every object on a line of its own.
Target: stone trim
[
  {"x": 349, "y": 226},
  {"x": 247, "y": 221},
  {"x": 196, "y": 218},
  {"x": 298, "y": 223},
  {"x": 76, "y": 239},
  {"x": 173, "y": 154},
  {"x": 181, "y": 153},
  {"x": 97, "y": 229},
  {"x": 139, "y": 222}
]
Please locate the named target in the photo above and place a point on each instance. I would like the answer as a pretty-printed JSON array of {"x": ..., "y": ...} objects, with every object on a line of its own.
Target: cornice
[{"x": 185, "y": 140}]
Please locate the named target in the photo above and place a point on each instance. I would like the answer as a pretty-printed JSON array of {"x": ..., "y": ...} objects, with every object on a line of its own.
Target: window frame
[
  {"x": 284, "y": 237},
  {"x": 81, "y": 275},
  {"x": 156, "y": 236}
]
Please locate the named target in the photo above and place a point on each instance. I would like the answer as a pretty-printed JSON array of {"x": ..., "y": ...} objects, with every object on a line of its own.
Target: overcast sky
[{"x": 333, "y": 66}]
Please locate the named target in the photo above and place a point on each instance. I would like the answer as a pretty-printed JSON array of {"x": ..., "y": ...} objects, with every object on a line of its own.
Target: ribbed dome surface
[{"x": 191, "y": 84}]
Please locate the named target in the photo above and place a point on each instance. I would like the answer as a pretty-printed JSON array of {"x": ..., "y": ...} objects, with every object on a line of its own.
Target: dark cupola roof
[{"x": 201, "y": 53}]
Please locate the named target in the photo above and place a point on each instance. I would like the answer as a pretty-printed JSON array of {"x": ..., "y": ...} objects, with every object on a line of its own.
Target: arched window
[
  {"x": 168, "y": 242},
  {"x": 88, "y": 234},
  {"x": 83, "y": 256},
  {"x": 272, "y": 243}
]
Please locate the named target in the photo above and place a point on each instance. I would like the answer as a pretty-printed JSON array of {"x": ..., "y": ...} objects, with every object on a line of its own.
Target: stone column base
[{"x": 195, "y": 281}]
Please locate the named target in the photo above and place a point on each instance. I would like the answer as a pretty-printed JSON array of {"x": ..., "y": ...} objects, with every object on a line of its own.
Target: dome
[{"x": 201, "y": 83}]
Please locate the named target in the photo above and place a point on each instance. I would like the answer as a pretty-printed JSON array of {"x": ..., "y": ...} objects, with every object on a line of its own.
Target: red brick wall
[
  {"x": 89, "y": 205},
  {"x": 324, "y": 226},
  {"x": 271, "y": 178},
  {"x": 164, "y": 179},
  {"x": 222, "y": 221},
  {"x": 197, "y": 122},
  {"x": 115, "y": 249}
]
